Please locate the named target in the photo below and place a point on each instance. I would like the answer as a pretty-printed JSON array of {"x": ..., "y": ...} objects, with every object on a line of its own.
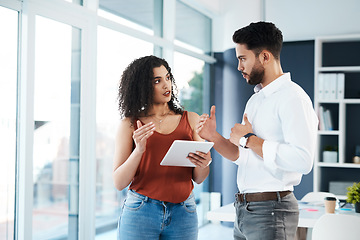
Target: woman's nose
[{"x": 166, "y": 85}]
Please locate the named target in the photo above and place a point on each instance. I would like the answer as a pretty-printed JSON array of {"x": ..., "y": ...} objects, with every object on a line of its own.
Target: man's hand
[
  {"x": 239, "y": 130},
  {"x": 206, "y": 128}
]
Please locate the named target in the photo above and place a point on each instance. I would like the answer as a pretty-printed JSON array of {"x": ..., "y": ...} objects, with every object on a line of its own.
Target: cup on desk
[{"x": 330, "y": 204}]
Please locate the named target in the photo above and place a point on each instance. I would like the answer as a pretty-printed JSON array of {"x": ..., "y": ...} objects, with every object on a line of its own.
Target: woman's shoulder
[
  {"x": 126, "y": 124},
  {"x": 193, "y": 118}
]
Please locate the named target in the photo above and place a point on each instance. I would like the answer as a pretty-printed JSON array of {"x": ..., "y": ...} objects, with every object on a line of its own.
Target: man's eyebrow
[{"x": 241, "y": 56}]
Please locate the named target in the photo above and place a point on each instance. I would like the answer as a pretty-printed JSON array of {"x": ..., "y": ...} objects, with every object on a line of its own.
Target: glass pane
[
  {"x": 115, "y": 52},
  {"x": 79, "y": 2},
  {"x": 56, "y": 130},
  {"x": 188, "y": 73},
  {"x": 8, "y": 91},
  {"x": 193, "y": 29},
  {"x": 144, "y": 15},
  {"x": 189, "y": 77}
]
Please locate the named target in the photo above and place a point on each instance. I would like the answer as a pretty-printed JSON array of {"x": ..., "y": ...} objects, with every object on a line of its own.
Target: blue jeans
[
  {"x": 146, "y": 218},
  {"x": 267, "y": 220}
]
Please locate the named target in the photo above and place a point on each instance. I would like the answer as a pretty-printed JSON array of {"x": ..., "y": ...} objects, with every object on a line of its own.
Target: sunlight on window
[
  {"x": 124, "y": 21},
  {"x": 8, "y": 91},
  {"x": 56, "y": 130}
]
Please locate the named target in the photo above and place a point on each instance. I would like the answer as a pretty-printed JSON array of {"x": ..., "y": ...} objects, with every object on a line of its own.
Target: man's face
[{"x": 249, "y": 65}]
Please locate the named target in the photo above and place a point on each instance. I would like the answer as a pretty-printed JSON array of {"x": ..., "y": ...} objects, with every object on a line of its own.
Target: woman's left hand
[{"x": 200, "y": 159}]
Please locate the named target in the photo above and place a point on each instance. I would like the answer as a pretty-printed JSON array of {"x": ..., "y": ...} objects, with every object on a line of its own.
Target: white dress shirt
[{"x": 282, "y": 114}]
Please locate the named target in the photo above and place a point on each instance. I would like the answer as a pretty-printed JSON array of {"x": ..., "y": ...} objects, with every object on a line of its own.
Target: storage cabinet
[{"x": 337, "y": 102}]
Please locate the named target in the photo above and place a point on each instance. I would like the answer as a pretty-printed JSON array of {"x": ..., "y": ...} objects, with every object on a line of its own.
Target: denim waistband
[{"x": 147, "y": 199}]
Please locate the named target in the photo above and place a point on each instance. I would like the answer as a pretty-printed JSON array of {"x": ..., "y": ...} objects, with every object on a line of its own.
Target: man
[{"x": 275, "y": 144}]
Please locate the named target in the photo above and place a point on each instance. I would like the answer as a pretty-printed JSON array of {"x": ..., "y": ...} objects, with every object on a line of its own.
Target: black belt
[{"x": 261, "y": 196}]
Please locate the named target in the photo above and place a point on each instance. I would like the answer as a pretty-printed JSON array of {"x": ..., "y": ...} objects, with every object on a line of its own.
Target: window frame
[{"x": 86, "y": 19}]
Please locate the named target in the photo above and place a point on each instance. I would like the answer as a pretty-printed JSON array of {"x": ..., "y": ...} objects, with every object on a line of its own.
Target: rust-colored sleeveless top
[{"x": 164, "y": 183}]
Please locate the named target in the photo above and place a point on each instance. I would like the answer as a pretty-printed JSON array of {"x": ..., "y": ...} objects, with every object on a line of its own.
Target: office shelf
[{"x": 336, "y": 61}]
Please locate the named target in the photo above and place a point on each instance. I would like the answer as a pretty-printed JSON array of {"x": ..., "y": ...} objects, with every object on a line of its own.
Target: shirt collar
[{"x": 274, "y": 85}]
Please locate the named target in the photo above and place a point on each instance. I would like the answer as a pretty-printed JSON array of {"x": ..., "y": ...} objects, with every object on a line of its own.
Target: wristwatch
[{"x": 243, "y": 140}]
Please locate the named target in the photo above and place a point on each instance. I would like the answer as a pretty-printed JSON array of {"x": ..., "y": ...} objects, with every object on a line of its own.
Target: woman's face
[{"x": 162, "y": 85}]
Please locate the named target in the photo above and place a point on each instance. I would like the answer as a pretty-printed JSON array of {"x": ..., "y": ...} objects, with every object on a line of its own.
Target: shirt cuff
[
  {"x": 243, "y": 155},
  {"x": 269, "y": 154}
]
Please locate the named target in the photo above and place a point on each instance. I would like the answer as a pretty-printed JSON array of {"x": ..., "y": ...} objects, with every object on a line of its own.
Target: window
[
  {"x": 8, "y": 103},
  {"x": 193, "y": 29},
  {"x": 188, "y": 73},
  {"x": 115, "y": 52},
  {"x": 53, "y": 91},
  {"x": 143, "y": 15},
  {"x": 56, "y": 130},
  {"x": 190, "y": 77}
]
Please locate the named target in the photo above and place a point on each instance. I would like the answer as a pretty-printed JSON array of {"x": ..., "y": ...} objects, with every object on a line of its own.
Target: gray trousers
[{"x": 267, "y": 220}]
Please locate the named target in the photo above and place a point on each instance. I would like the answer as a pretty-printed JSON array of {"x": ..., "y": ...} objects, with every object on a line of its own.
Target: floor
[{"x": 211, "y": 231}]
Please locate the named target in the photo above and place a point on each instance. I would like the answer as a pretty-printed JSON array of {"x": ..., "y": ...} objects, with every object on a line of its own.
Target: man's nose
[{"x": 240, "y": 67}]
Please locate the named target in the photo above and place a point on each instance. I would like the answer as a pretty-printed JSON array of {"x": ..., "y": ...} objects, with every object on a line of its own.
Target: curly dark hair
[
  {"x": 135, "y": 93},
  {"x": 259, "y": 36}
]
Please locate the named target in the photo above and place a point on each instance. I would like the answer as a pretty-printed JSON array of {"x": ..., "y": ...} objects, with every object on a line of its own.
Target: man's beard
[{"x": 257, "y": 74}]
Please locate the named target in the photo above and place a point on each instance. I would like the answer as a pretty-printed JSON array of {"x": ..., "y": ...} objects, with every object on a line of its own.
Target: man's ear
[{"x": 265, "y": 56}]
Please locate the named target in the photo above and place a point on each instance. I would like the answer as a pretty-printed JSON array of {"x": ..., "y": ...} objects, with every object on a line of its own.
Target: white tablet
[{"x": 180, "y": 149}]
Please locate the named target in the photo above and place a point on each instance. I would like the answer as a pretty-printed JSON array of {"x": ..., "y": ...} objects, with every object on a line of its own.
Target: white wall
[
  {"x": 233, "y": 15},
  {"x": 306, "y": 19},
  {"x": 298, "y": 20}
]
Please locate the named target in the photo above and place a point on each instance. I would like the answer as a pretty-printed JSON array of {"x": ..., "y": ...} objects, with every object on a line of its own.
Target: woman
[{"x": 160, "y": 203}]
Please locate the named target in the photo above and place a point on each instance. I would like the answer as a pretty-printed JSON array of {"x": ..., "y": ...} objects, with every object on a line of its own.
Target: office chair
[{"x": 337, "y": 226}]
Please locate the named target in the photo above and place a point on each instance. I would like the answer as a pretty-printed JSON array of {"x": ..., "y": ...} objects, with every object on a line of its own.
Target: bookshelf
[{"x": 337, "y": 102}]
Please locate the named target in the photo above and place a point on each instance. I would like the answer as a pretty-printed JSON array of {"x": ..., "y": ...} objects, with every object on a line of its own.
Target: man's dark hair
[
  {"x": 136, "y": 90},
  {"x": 259, "y": 36}
]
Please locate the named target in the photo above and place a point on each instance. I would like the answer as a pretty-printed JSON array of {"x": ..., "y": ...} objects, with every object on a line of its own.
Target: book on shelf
[
  {"x": 325, "y": 121},
  {"x": 328, "y": 121},
  {"x": 321, "y": 118}
]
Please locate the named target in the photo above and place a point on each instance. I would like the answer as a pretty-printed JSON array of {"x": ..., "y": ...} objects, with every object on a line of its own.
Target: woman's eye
[{"x": 156, "y": 81}]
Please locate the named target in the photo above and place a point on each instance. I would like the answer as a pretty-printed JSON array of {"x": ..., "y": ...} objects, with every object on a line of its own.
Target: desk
[{"x": 308, "y": 214}]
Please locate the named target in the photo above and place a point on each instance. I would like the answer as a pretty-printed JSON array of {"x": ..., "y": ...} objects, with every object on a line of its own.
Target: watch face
[{"x": 242, "y": 142}]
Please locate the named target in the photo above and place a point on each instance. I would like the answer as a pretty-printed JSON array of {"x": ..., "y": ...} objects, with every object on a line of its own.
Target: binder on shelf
[
  {"x": 326, "y": 87},
  {"x": 340, "y": 82},
  {"x": 321, "y": 86},
  {"x": 332, "y": 78}
]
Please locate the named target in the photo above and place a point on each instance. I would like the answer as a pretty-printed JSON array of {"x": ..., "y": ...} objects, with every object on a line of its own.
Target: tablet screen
[{"x": 180, "y": 149}]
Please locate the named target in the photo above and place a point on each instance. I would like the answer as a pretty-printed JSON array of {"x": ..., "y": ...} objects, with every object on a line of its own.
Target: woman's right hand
[{"x": 141, "y": 134}]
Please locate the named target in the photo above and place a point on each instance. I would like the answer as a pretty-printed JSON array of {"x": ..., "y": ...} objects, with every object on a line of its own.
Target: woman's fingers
[
  {"x": 144, "y": 132},
  {"x": 200, "y": 159}
]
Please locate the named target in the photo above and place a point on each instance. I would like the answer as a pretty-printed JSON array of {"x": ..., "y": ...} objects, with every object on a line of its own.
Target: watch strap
[{"x": 249, "y": 135}]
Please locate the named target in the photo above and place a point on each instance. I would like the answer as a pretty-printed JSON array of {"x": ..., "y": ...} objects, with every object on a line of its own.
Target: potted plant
[
  {"x": 353, "y": 195},
  {"x": 330, "y": 154}
]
